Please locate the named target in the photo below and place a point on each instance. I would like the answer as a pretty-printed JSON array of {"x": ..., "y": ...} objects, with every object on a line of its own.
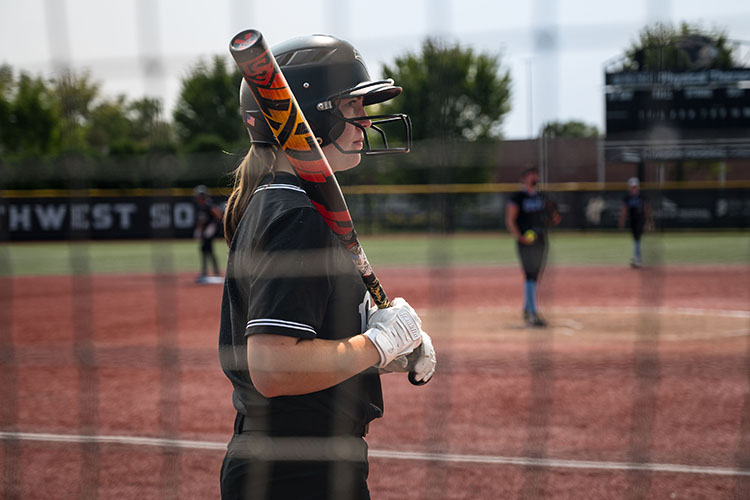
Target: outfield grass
[{"x": 567, "y": 248}]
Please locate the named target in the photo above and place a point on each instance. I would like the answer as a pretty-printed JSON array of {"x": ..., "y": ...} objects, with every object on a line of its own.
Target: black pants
[
  {"x": 636, "y": 229},
  {"x": 207, "y": 256},
  {"x": 533, "y": 258},
  {"x": 259, "y": 467}
]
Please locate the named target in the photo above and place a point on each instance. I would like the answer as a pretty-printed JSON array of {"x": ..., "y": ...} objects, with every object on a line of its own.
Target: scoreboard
[{"x": 712, "y": 99}]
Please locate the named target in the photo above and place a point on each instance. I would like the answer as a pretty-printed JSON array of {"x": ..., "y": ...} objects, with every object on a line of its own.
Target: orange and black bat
[{"x": 284, "y": 116}]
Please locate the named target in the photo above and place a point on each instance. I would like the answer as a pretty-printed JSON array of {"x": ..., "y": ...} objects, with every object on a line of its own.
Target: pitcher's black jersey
[{"x": 533, "y": 211}]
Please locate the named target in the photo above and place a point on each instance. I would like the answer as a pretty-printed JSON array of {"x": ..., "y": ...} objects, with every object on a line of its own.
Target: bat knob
[
  {"x": 245, "y": 39},
  {"x": 414, "y": 381}
]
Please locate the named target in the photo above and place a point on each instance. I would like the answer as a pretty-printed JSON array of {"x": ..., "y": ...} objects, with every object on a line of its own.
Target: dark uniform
[
  {"x": 636, "y": 209},
  {"x": 208, "y": 224},
  {"x": 288, "y": 274},
  {"x": 533, "y": 213},
  {"x": 635, "y": 205}
]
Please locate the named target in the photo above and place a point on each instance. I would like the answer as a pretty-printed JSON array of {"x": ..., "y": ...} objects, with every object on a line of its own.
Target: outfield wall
[{"x": 142, "y": 213}]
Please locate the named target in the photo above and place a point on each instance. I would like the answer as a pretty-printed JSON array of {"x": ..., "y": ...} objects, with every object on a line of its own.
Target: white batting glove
[
  {"x": 398, "y": 365},
  {"x": 422, "y": 360},
  {"x": 397, "y": 302},
  {"x": 395, "y": 331}
]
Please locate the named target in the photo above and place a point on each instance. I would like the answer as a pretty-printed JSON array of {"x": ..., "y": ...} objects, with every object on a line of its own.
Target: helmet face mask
[
  {"x": 321, "y": 71},
  {"x": 376, "y": 131}
]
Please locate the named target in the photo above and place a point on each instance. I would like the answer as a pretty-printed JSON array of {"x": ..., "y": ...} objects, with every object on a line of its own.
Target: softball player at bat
[
  {"x": 636, "y": 211},
  {"x": 299, "y": 340},
  {"x": 528, "y": 214}
]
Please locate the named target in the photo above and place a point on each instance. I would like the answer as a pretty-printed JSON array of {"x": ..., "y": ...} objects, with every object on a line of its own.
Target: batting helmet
[{"x": 321, "y": 71}]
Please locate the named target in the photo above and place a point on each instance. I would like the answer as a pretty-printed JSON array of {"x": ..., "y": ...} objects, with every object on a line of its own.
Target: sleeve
[{"x": 289, "y": 292}]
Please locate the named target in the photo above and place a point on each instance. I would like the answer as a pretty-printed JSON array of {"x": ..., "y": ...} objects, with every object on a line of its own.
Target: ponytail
[{"x": 258, "y": 162}]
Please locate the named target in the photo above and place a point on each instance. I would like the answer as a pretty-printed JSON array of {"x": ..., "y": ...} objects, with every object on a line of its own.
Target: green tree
[
  {"x": 148, "y": 125},
  {"x": 208, "y": 107},
  {"x": 30, "y": 121},
  {"x": 451, "y": 92},
  {"x": 108, "y": 126},
  {"x": 572, "y": 128},
  {"x": 62, "y": 130},
  {"x": 118, "y": 127},
  {"x": 452, "y": 95},
  {"x": 6, "y": 87},
  {"x": 663, "y": 46},
  {"x": 75, "y": 95}
]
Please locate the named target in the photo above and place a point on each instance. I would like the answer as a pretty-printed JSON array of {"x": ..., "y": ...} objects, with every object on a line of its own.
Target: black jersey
[
  {"x": 533, "y": 211},
  {"x": 636, "y": 206},
  {"x": 207, "y": 220},
  {"x": 288, "y": 274}
]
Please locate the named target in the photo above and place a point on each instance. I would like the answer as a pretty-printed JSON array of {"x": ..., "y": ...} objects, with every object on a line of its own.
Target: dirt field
[{"x": 640, "y": 388}]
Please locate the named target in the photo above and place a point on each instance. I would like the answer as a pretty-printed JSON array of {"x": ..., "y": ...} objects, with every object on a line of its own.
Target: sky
[{"x": 555, "y": 50}]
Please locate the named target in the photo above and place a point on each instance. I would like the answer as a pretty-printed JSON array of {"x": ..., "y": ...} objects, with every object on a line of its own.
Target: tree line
[{"x": 55, "y": 129}]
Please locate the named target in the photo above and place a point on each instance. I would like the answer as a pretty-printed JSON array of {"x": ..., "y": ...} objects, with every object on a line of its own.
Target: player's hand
[
  {"x": 398, "y": 365},
  {"x": 422, "y": 360},
  {"x": 397, "y": 302},
  {"x": 395, "y": 331},
  {"x": 528, "y": 237}
]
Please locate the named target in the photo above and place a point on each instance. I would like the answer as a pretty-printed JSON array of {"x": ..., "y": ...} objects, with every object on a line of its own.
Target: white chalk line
[
  {"x": 390, "y": 454},
  {"x": 687, "y": 311},
  {"x": 570, "y": 327},
  {"x": 683, "y": 311}
]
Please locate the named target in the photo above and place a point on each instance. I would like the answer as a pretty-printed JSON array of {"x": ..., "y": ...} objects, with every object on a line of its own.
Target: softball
[{"x": 530, "y": 235}]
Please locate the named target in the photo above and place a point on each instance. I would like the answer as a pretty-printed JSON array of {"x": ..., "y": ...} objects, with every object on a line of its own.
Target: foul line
[
  {"x": 389, "y": 454},
  {"x": 687, "y": 311}
]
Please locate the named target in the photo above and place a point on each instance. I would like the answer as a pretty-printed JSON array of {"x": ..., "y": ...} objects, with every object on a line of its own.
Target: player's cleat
[
  {"x": 201, "y": 279},
  {"x": 534, "y": 320},
  {"x": 635, "y": 263}
]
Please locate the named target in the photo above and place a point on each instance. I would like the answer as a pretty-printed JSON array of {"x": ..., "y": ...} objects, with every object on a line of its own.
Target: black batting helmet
[{"x": 321, "y": 70}]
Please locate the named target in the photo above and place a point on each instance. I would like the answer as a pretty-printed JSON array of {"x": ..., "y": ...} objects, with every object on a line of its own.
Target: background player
[
  {"x": 636, "y": 211},
  {"x": 527, "y": 216},
  {"x": 207, "y": 226},
  {"x": 298, "y": 339}
]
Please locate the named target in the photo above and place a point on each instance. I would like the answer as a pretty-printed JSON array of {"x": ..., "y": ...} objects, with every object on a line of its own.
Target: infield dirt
[{"x": 646, "y": 366}]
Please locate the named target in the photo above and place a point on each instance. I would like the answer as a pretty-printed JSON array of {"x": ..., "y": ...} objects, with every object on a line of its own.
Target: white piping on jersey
[
  {"x": 291, "y": 187},
  {"x": 280, "y": 323}
]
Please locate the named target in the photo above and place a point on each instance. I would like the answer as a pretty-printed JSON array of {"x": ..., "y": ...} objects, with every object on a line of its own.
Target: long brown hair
[{"x": 258, "y": 162}]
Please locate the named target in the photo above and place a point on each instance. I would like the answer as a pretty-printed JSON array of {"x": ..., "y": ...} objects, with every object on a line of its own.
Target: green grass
[
  {"x": 103, "y": 257},
  {"x": 567, "y": 248}
]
